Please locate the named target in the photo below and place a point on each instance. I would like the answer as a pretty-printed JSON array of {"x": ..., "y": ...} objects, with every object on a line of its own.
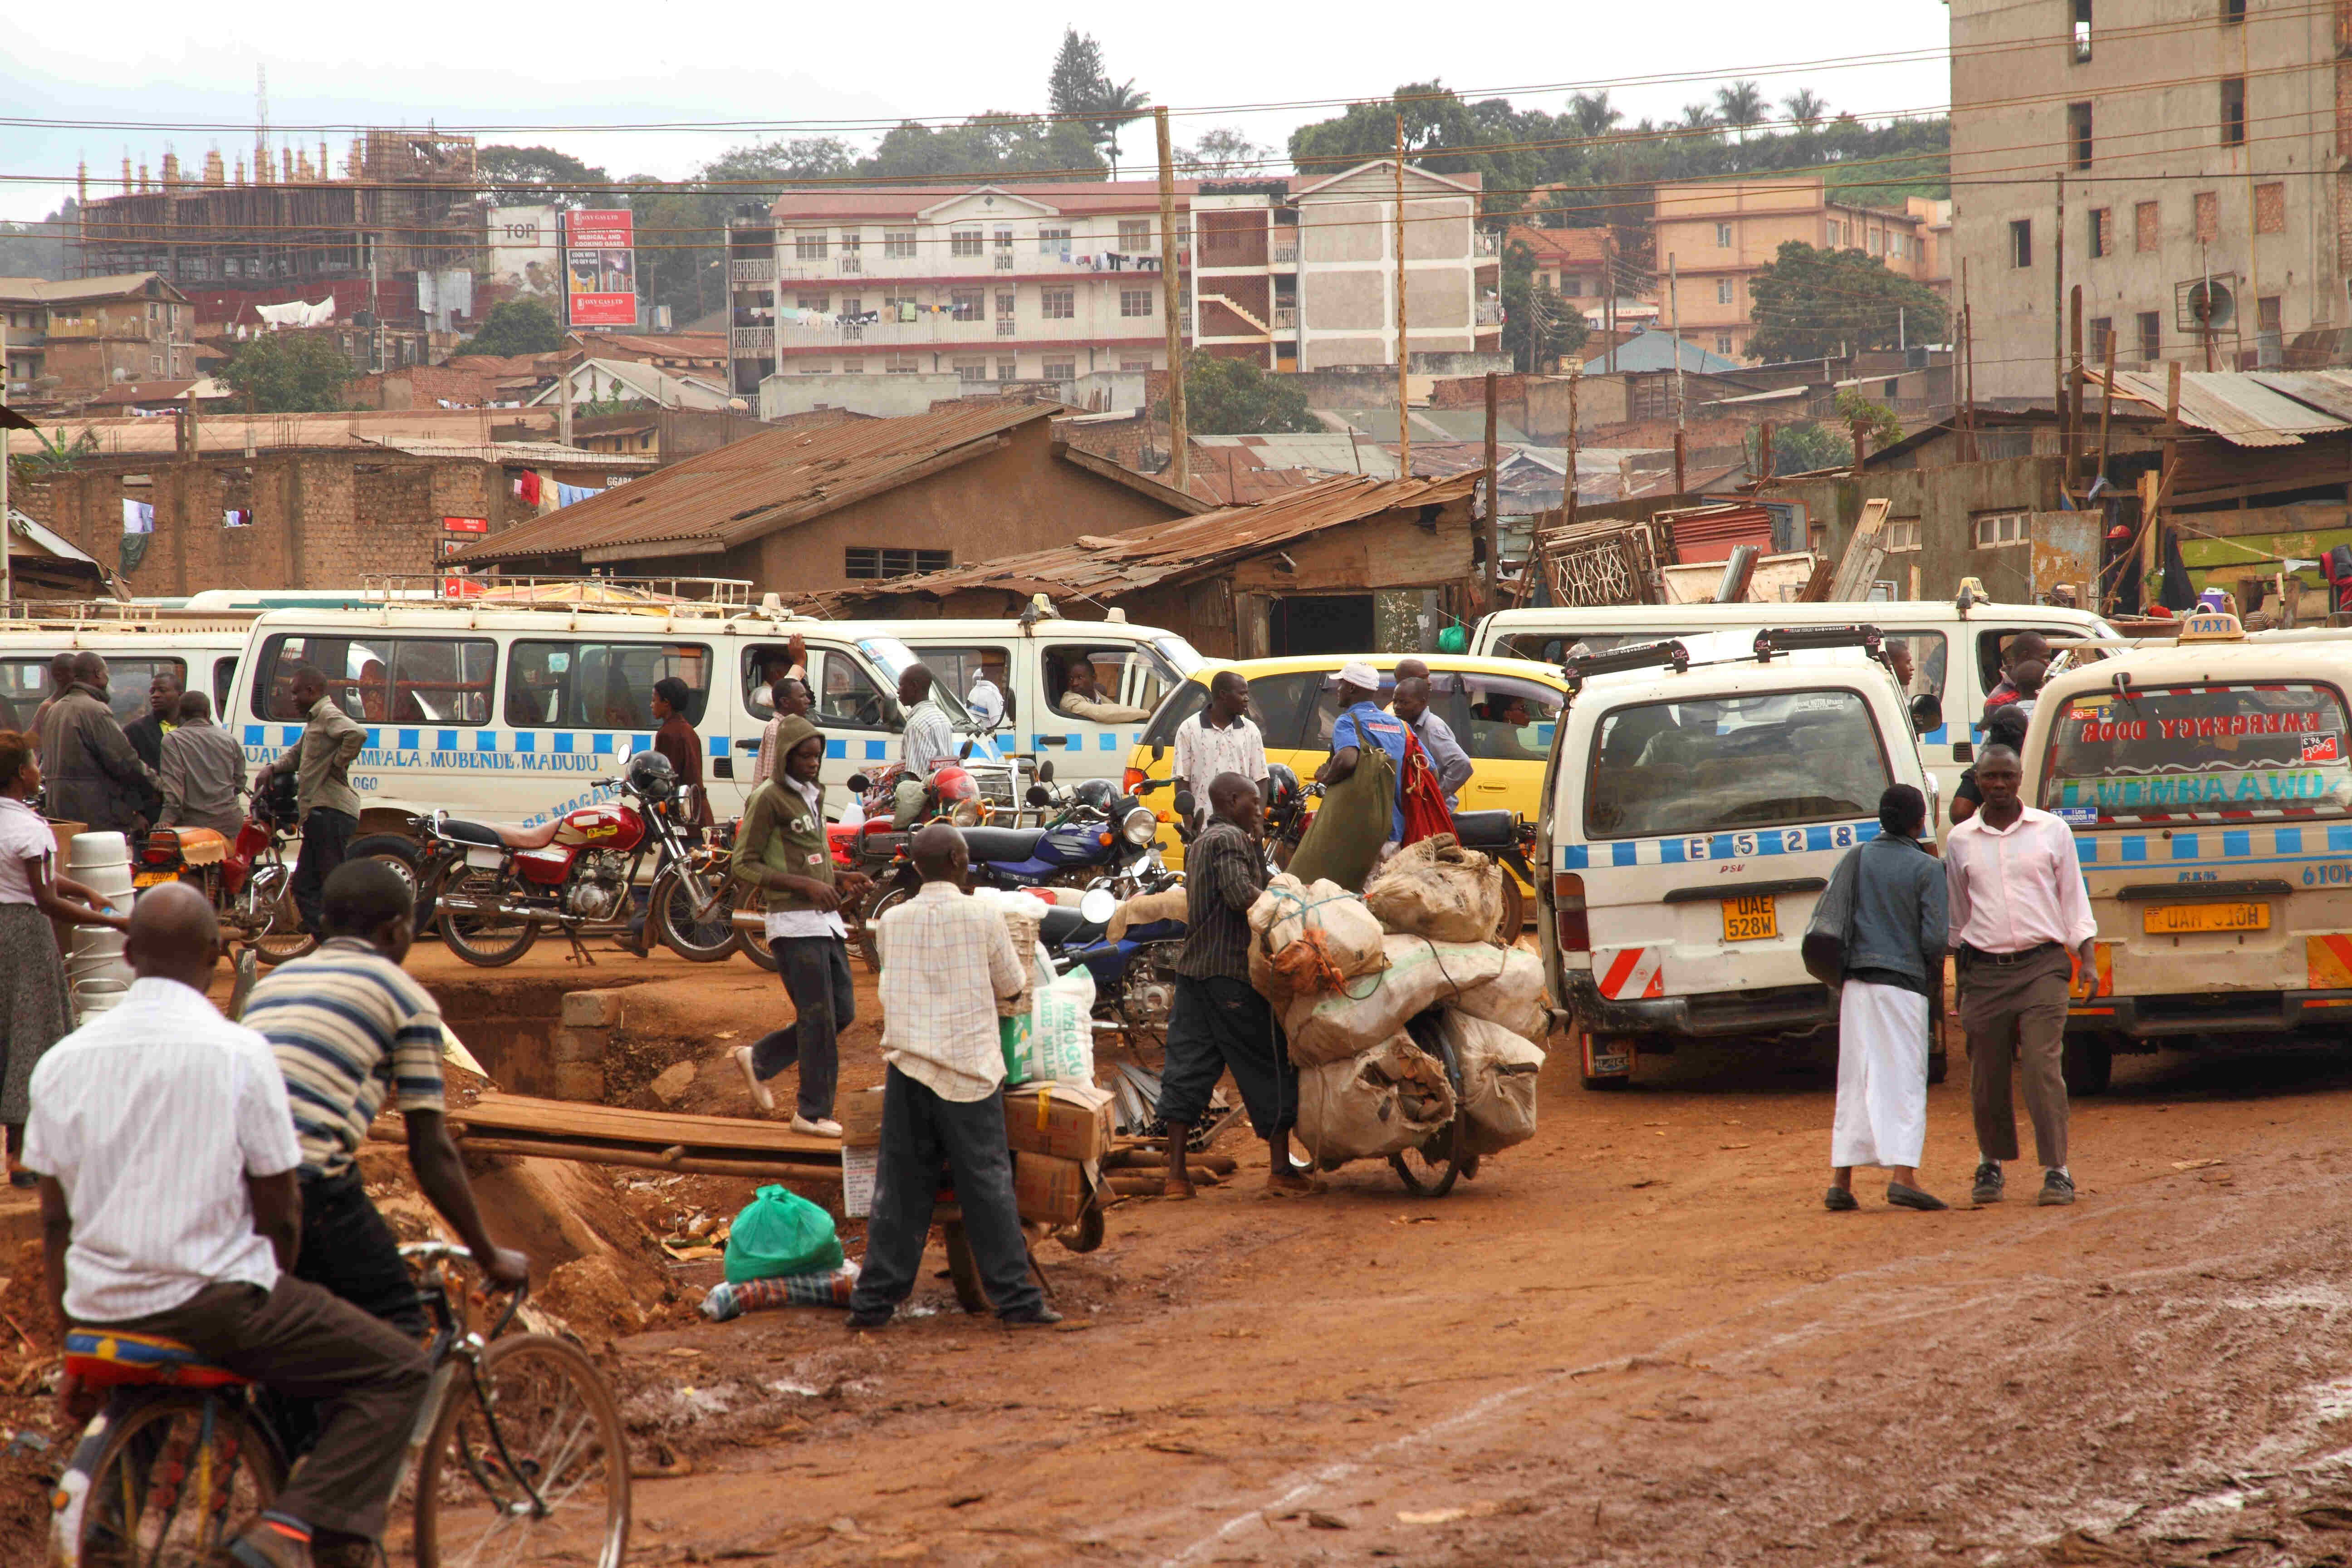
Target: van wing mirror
[{"x": 1927, "y": 712}]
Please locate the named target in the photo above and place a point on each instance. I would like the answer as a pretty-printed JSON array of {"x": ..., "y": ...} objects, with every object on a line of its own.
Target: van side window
[
  {"x": 1128, "y": 679},
  {"x": 1929, "y": 660},
  {"x": 957, "y": 666},
  {"x": 600, "y": 685},
  {"x": 1280, "y": 705},
  {"x": 224, "y": 676},
  {"x": 127, "y": 677},
  {"x": 1990, "y": 644},
  {"x": 1500, "y": 718},
  {"x": 24, "y": 684},
  {"x": 380, "y": 679},
  {"x": 846, "y": 697}
]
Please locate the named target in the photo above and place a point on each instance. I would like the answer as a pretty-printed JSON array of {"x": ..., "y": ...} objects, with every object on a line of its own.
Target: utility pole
[
  {"x": 1609, "y": 306},
  {"x": 1494, "y": 507},
  {"x": 375, "y": 310},
  {"x": 2058, "y": 301},
  {"x": 1574, "y": 376},
  {"x": 1675, "y": 330},
  {"x": 1405, "y": 419},
  {"x": 2075, "y": 403},
  {"x": 563, "y": 374},
  {"x": 1902, "y": 337},
  {"x": 1179, "y": 432},
  {"x": 1967, "y": 369}
]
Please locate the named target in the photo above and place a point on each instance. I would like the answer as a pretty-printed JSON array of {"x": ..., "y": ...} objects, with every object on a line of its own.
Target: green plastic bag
[
  {"x": 1343, "y": 842},
  {"x": 780, "y": 1232}
]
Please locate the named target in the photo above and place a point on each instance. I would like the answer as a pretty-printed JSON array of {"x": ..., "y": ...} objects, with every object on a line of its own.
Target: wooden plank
[
  {"x": 531, "y": 1148},
  {"x": 1858, "y": 567},
  {"x": 497, "y": 1113}
]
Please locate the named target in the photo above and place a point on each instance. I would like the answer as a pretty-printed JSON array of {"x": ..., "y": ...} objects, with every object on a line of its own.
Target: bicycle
[{"x": 515, "y": 1429}]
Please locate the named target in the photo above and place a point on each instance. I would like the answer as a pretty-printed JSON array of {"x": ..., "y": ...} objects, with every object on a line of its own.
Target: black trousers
[
  {"x": 815, "y": 971},
  {"x": 921, "y": 1131},
  {"x": 326, "y": 835},
  {"x": 1219, "y": 1025},
  {"x": 349, "y": 1252}
]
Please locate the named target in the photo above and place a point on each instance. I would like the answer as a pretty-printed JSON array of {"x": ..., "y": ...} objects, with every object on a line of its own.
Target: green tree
[
  {"x": 1235, "y": 397},
  {"x": 1881, "y": 425},
  {"x": 1223, "y": 151},
  {"x": 1115, "y": 106},
  {"x": 289, "y": 372},
  {"x": 994, "y": 146},
  {"x": 1805, "y": 107},
  {"x": 517, "y": 327},
  {"x": 1801, "y": 446},
  {"x": 1741, "y": 106},
  {"x": 541, "y": 174},
  {"x": 1811, "y": 302},
  {"x": 1590, "y": 114},
  {"x": 1077, "y": 77},
  {"x": 1539, "y": 328}
]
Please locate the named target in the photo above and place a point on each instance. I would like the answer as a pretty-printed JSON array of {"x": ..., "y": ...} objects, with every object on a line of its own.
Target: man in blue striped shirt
[{"x": 350, "y": 1026}]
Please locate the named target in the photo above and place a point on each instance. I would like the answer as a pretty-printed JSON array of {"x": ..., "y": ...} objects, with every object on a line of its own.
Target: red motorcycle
[
  {"x": 247, "y": 880},
  {"x": 500, "y": 882}
]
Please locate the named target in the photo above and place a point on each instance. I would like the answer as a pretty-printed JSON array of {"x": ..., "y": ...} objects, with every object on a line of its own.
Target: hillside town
[{"x": 1241, "y": 816}]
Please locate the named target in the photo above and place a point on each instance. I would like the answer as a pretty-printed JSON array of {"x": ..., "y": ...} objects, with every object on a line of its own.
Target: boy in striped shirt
[{"x": 349, "y": 1027}]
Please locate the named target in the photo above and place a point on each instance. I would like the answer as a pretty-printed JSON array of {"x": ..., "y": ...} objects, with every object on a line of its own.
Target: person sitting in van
[
  {"x": 1083, "y": 699},
  {"x": 2025, "y": 646}
]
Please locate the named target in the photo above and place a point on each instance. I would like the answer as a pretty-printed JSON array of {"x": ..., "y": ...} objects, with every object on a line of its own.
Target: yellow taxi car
[{"x": 1501, "y": 709}]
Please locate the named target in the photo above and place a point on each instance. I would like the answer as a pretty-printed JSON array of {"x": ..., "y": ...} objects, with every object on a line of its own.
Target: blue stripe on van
[{"x": 837, "y": 751}]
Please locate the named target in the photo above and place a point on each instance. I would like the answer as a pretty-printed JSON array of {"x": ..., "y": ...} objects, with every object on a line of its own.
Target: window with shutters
[
  {"x": 2147, "y": 228},
  {"x": 1723, "y": 290},
  {"x": 1723, "y": 237}
]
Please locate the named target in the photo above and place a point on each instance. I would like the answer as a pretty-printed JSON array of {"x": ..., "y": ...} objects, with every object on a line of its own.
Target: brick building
[{"x": 70, "y": 340}]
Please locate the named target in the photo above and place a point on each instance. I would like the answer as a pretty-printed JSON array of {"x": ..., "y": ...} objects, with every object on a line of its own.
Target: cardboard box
[
  {"x": 859, "y": 1111},
  {"x": 1046, "y": 1190},
  {"x": 858, "y": 1167},
  {"x": 1066, "y": 1121}
]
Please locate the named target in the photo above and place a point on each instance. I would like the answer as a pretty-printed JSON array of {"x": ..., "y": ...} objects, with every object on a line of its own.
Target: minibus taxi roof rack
[
  {"x": 450, "y": 589},
  {"x": 1788, "y": 639},
  {"x": 1576, "y": 671}
]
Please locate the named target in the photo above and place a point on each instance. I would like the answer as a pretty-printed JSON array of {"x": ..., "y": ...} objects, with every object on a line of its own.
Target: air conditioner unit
[{"x": 2205, "y": 304}]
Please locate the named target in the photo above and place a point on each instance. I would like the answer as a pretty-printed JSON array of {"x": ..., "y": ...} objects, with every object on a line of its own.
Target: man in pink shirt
[{"x": 2021, "y": 924}]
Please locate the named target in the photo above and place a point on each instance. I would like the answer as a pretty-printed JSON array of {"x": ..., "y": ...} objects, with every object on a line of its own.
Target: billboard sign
[
  {"x": 527, "y": 249},
  {"x": 600, "y": 275}
]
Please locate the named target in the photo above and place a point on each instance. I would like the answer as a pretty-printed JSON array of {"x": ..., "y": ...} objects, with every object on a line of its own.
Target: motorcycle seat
[
  {"x": 1485, "y": 829},
  {"x": 999, "y": 845},
  {"x": 197, "y": 845},
  {"x": 513, "y": 836},
  {"x": 1063, "y": 924}
]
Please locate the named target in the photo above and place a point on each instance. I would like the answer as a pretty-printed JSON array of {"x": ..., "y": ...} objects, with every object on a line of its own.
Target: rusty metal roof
[
  {"x": 755, "y": 486},
  {"x": 2243, "y": 408},
  {"x": 1105, "y": 565}
]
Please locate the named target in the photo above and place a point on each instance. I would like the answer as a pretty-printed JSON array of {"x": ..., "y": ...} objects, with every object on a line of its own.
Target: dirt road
[{"x": 1637, "y": 1340}]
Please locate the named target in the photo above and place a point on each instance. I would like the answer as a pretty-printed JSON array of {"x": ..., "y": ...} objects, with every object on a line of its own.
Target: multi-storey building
[
  {"x": 1713, "y": 236},
  {"x": 74, "y": 339},
  {"x": 2182, "y": 161}
]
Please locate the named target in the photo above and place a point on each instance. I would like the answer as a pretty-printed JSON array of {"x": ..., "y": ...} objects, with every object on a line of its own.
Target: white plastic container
[{"x": 96, "y": 849}]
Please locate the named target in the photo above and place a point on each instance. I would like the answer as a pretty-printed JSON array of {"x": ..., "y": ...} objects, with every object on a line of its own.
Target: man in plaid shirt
[
  {"x": 945, "y": 960},
  {"x": 1219, "y": 1022}
]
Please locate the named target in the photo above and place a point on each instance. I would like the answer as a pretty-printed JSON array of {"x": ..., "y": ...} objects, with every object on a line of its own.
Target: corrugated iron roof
[
  {"x": 532, "y": 454},
  {"x": 2329, "y": 391},
  {"x": 2235, "y": 405},
  {"x": 1103, "y": 565},
  {"x": 754, "y": 486}
]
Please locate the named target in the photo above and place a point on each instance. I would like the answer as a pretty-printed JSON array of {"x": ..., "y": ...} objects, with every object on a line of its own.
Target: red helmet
[{"x": 958, "y": 794}]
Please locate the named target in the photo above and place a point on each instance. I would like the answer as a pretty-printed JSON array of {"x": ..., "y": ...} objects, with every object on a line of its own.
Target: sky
[{"x": 556, "y": 77}]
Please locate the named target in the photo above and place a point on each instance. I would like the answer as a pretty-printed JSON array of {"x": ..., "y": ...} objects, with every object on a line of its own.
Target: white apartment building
[
  {"x": 2153, "y": 153},
  {"x": 988, "y": 283}
]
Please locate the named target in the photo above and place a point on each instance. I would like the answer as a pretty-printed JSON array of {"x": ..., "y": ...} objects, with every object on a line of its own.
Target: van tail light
[
  {"x": 1568, "y": 911},
  {"x": 1133, "y": 779}
]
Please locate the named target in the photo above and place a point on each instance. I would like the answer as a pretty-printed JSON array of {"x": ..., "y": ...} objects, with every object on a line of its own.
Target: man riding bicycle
[
  {"x": 166, "y": 1154},
  {"x": 350, "y": 1026}
]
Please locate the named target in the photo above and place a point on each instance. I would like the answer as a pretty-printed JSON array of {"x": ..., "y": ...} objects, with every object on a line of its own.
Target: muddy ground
[{"x": 1637, "y": 1340}]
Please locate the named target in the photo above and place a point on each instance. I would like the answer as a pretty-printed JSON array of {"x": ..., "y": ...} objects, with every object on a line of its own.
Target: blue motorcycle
[{"x": 1098, "y": 837}]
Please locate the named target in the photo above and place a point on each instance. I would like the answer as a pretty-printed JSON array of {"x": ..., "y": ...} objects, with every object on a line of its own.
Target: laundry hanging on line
[
  {"x": 566, "y": 494},
  {"x": 138, "y": 516},
  {"x": 526, "y": 487},
  {"x": 236, "y": 517}
]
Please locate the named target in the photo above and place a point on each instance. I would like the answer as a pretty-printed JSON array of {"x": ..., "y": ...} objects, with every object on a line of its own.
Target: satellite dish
[{"x": 2207, "y": 304}]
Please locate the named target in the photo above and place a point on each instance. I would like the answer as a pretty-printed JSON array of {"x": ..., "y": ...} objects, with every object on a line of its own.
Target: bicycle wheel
[
  {"x": 548, "y": 1422},
  {"x": 168, "y": 1479},
  {"x": 706, "y": 936},
  {"x": 472, "y": 924},
  {"x": 1429, "y": 1169}
]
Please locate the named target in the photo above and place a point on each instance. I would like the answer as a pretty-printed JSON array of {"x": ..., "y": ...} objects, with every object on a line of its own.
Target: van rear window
[
  {"x": 1659, "y": 769},
  {"x": 2269, "y": 749}
]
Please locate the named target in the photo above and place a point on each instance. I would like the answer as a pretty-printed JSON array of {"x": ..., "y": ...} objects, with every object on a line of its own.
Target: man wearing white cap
[{"x": 1363, "y": 722}]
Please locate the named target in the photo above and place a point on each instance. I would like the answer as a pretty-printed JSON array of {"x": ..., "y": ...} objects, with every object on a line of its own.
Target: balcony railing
[
  {"x": 851, "y": 265},
  {"x": 754, "y": 343},
  {"x": 1286, "y": 255},
  {"x": 1004, "y": 261},
  {"x": 1490, "y": 312},
  {"x": 1487, "y": 243},
  {"x": 763, "y": 270},
  {"x": 1286, "y": 318},
  {"x": 1006, "y": 326}
]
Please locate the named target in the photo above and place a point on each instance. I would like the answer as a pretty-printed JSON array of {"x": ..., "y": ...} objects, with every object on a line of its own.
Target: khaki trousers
[{"x": 2017, "y": 1013}]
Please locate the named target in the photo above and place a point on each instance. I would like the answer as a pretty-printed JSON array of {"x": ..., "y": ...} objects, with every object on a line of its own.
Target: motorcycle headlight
[{"x": 1139, "y": 826}]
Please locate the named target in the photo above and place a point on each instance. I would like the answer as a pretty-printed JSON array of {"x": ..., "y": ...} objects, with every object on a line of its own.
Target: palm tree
[
  {"x": 1590, "y": 114},
  {"x": 1112, "y": 108},
  {"x": 1697, "y": 117},
  {"x": 1806, "y": 107},
  {"x": 1742, "y": 104}
]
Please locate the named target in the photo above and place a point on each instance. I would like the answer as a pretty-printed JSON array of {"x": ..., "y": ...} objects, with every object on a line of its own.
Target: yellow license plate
[
  {"x": 150, "y": 879},
  {"x": 2178, "y": 919},
  {"x": 1751, "y": 919}
]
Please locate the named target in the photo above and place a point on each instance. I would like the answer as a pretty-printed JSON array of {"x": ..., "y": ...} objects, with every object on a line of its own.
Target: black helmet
[
  {"x": 1282, "y": 786},
  {"x": 1100, "y": 793},
  {"x": 650, "y": 775}
]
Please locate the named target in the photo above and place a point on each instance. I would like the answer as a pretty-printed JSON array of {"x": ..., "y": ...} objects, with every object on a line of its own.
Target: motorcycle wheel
[
  {"x": 868, "y": 947},
  {"x": 488, "y": 940},
  {"x": 707, "y": 939},
  {"x": 1514, "y": 913},
  {"x": 407, "y": 859},
  {"x": 277, "y": 933}
]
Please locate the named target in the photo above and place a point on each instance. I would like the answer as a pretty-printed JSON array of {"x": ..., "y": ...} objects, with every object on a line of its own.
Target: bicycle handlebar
[{"x": 446, "y": 1251}]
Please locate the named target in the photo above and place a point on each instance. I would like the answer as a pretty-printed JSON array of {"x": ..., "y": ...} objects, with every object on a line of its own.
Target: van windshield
[
  {"x": 1714, "y": 764},
  {"x": 892, "y": 657},
  {"x": 2274, "y": 749}
]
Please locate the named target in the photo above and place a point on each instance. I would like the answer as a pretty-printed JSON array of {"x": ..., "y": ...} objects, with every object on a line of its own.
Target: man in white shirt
[
  {"x": 986, "y": 699},
  {"x": 927, "y": 741},
  {"x": 1220, "y": 739},
  {"x": 945, "y": 960},
  {"x": 1082, "y": 698},
  {"x": 1447, "y": 759},
  {"x": 167, "y": 1157},
  {"x": 2020, "y": 922}
]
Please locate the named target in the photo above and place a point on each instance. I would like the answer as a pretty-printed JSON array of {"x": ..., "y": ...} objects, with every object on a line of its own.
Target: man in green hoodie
[{"x": 782, "y": 849}]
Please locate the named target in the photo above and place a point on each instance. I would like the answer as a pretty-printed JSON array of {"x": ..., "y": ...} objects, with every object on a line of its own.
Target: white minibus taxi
[
  {"x": 514, "y": 713},
  {"x": 199, "y": 651},
  {"x": 1699, "y": 793},
  {"x": 2209, "y": 786},
  {"x": 1029, "y": 663},
  {"x": 1955, "y": 651}
]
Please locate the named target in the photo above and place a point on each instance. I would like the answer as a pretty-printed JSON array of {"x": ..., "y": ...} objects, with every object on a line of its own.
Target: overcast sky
[{"x": 592, "y": 63}]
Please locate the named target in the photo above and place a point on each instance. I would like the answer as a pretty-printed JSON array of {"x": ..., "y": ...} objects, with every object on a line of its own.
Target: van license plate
[
  {"x": 2176, "y": 920},
  {"x": 1751, "y": 919}
]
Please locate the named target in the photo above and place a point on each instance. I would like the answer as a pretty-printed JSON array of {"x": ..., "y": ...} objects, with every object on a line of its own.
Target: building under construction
[{"x": 400, "y": 231}]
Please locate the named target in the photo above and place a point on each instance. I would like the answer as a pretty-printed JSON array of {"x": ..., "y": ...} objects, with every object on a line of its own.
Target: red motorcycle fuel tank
[{"x": 607, "y": 824}]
